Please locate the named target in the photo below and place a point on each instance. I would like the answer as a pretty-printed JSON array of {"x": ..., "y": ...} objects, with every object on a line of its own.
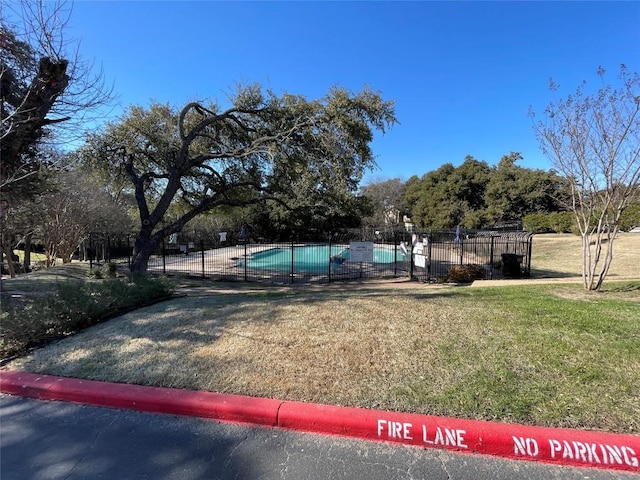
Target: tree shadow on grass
[{"x": 150, "y": 346}]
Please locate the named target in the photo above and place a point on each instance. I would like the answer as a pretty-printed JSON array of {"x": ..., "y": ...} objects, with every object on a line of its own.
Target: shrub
[
  {"x": 558, "y": 222},
  {"x": 630, "y": 217},
  {"x": 562, "y": 222},
  {"x": 466, "y": 273},
  {"x": 536, "y": 223},
  {"x": 72, "y": 306},
  {"x": 96, "y": 273},
  {"x": 25, "y": 324},
  {"x": 110, "y": 270}
]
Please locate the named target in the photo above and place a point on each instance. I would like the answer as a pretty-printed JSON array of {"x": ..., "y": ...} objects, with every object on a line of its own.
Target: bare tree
[
  {"x": 68, "y": 213},
  {"x": 385, "y": 197},
  {"x": 47, "y": 93},
  {"x": 594, "y": 141},
  {"x": 45, "y": 82}
]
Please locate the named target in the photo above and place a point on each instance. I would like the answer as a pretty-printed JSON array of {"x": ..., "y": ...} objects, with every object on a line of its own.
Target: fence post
[
  {"x": 292, "y": 259},
  {"x": 245, "y": 260},
  {"x": 90, "y": 251},
  {"x": 202, "y": 255},
  {"x": 164, "y": 261},
  {"x": 411, "y": 277},
  {"x": 428, "y": 265},
  {"x": 395, "y": 253},
  {"x": 329, "y": 272},
  {"x": 491, "y": 258},
  {"x": 529, "y": 253},
  {"x": 461, "y": 250}
]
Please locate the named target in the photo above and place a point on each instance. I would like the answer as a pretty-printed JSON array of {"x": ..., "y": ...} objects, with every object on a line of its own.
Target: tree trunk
[
  {"x": 144, "y": 247},
  {"x": 586, "y": 261},
  {"x": 592, "y": 256},
  {"x": 8, "y": 255},
  {"x": 608, "y": 258},
  {"x": 27, "y": 252},
  {"x": 46, "y": 87}
]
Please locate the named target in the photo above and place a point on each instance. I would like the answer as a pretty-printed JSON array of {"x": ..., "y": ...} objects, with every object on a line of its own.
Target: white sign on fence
[{"x": 361, "y": 252}]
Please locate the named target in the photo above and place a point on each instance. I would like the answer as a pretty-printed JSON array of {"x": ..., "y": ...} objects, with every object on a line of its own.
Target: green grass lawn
[{"x": 549, "y": 355}]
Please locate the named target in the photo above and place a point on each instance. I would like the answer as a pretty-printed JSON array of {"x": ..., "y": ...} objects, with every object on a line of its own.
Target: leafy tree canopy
[
  {"x": 514, "y": 191},
  {"x": 299, "y": 153},
  {"x": 449, "y": 196}
]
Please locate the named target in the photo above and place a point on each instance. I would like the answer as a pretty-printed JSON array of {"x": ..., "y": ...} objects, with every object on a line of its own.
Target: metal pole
[
  {"x": 202, "y": 255},
  {"x": 491, "y": 258},
  {"x": 530, "y": 252},
  {"x": 164, "y": 262},
  {"x": 245, "y": 260},
  {"x": 429, "y": 241},
  {"x": 411, "y": 261},
  {"x": 395, "y": 254},
  {"x": 90, "y": 251},
  {"x": 329, "y": 272},
  {"x": 292, "y": 271}
]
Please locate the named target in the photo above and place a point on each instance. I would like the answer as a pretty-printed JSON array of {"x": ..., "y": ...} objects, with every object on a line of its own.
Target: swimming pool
[{"x": 312, "y": 258}]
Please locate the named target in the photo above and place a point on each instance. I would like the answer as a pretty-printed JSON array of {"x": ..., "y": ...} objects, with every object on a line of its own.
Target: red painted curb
[
  {"x": 230, "y": 408},
  {"x": 551, "y": 445}
]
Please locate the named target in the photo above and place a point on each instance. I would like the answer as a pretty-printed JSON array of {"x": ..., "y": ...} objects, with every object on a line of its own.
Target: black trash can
[{"x": 511, "y": 265}]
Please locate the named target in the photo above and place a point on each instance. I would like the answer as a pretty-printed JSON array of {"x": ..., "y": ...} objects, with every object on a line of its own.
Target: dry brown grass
[
  {"x": 305, "y": 347},
  {"x": 560, "y": 255}
]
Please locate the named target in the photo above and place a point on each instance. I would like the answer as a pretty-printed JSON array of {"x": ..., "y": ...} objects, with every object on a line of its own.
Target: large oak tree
[
  {"x": 449, "y": 196},
  {"x": 514, "y": 191},
  {"x": 264, "y": 147}
]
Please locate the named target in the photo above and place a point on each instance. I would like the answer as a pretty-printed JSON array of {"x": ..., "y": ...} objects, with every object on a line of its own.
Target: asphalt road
[{"x": 56, "y": 440}]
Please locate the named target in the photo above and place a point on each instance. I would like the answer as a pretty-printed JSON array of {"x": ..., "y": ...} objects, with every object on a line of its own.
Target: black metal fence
[{"x": 423, "y": 256}]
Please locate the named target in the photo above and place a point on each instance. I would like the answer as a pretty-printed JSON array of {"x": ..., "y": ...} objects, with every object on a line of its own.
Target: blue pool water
[{"x": 312, "y": 258}]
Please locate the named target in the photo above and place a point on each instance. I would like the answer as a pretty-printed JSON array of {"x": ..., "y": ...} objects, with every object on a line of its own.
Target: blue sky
[{"x": 462, "y": 74}]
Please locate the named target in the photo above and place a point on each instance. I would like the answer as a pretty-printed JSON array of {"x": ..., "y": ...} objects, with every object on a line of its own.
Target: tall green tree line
[{"x": 476, "y": 195}]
